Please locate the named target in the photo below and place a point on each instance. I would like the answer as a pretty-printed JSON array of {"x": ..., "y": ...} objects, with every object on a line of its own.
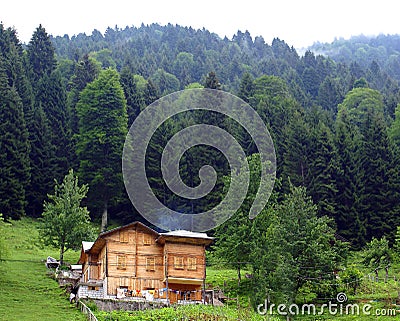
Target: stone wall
[{"x": 85, "y": 291}]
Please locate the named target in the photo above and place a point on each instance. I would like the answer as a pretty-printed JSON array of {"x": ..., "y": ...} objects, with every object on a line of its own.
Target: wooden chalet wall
[
  {"x": 185, "y": 260},
  {"x": 134, "y": 260},
  {"x": 84, "y": 261},
  {"x": 137, "y": 258}
]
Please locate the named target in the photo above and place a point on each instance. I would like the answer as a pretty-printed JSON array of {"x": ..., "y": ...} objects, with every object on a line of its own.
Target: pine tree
[
  {"x": 394, "y": 190},
  {"x": 15, "y": 102},
  {"x": 246, "y": 89},
  {"x": 42, "y": 157},
  {"x": 46, "y": 120},
  {"x": 394, "y": 130},
  {"x": 298, "y": 149},
  {"x": 329, "y": 95},
  {"x": 375, "y": 159},
  {"x": 323, "y": 168},
  {"x": 232, "y": 238},
  {"x": 134, "y": 98},
  {"x": 350, "y": 222},
  {"x": 51, "y": 95},
  {"x": 102, "y": 130},
  {"x": 86, "y": 70},
  {"x": 153, "y": 165},
  {"x": 212, "y": 81},
  {"x": 41, "y": 54},
  {"x": 13, "y": 55},
  {"x": 276, "y": 107},
  {"x": 150, "y": 93},
  {"x": 14, "y": 150},
  {"x": 363, "y": 111}
]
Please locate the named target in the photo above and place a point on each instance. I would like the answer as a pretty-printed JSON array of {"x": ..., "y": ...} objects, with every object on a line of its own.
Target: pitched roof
[
  {"x": 125, "y": 226},
  {"x": 183, "y": 236},
  {"x": 87, "y": 245},
  {"x": 99, "y": 242},
  {"x": 184, "y": 233}
]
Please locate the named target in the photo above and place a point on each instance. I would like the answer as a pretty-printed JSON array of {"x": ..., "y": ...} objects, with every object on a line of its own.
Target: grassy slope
[
  {"x": 226, "y": 279},
  {"x": 26, "y": 292},
  {"x": 184, "y": 313}
]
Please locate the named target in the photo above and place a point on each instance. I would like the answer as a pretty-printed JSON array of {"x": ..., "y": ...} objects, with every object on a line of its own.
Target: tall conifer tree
[
  {"x": 41, "y": 54},
  {"x": 51, "y": 95},
  {"x": 323, "y": 167},
  {"x": 42, "y": 156},
  {"x": 350, "y": 222},
  {"x": 14, "y": 150},
  {"x": 49, "y": 101},
  {"x": 102, "y": 129}
]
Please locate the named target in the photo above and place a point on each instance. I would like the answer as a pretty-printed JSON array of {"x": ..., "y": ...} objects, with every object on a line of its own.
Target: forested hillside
[
  {"x": 335, "y": 121},
  {"x": 383, "y": 49}
]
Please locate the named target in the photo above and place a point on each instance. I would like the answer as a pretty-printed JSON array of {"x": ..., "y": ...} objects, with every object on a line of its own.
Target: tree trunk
[
  {"x": 239, "y": 275},
  {"x": 104, "y": 216},
  {"x": 62, "y": 254}
]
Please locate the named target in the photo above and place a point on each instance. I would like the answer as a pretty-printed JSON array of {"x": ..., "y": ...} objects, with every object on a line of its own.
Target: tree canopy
[
  {"x": 103, "y": 123},
  {"x": 333, "y": 118},
  {"x": 64, "y": 222}
]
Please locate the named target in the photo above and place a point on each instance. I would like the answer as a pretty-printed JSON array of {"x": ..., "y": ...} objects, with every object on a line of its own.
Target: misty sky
[{"x": 299, "y": 23}]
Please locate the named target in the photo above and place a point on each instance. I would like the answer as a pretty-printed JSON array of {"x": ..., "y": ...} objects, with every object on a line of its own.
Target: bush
[{"x": 351, "y": 279}]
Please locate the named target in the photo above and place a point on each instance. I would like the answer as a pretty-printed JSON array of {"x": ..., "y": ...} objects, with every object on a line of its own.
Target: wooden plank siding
[
  {"x": 138, "y": 258},
  {"x": 187, "y": 253}
]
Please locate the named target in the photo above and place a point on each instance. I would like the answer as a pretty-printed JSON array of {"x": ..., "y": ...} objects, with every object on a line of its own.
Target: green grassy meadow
[{"x": 26, "y": 290}]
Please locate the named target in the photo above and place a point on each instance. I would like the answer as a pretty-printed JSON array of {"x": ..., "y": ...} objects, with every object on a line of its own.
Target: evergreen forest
[{"x": 333, "y": 112}]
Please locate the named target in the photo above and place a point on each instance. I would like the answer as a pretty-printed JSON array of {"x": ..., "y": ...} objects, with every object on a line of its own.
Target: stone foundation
[{"x": 92, "y": 292}]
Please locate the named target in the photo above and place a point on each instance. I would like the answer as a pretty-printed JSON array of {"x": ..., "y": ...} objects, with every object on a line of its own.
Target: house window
[
  {"x": 146, "y": 239},
  {"x": 150, "y": 263},
  {"x": 123, "y": 236},
  {"x": 178, "y": 263},
  {"x": 192, "y": 264},
  {"x": 121, "y": 262},
  {"x": 123, "y": 282}
]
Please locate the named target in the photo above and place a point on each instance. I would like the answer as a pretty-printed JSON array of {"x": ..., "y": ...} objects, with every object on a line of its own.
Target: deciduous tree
[
  {"x": 64, "y": 222},
  {"x": 378, "y": 255},
  {"x": 293, "y": 245}
]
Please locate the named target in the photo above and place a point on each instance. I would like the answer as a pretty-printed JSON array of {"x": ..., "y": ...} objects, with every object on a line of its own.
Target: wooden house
[{"x": 138, "y": 262}]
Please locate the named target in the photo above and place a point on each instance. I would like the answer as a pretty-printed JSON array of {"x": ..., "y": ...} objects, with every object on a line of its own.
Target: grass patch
[
  {"x": 28, "y": 293},
  {"x": 184, "y": 313},
  {"x": 227, "y": 280},
  {"x": 26, "y": 290}
]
